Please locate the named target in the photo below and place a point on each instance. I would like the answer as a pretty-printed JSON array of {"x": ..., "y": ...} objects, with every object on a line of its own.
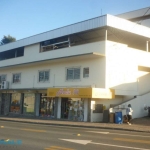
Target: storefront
[{"x": 75, "y": 103}]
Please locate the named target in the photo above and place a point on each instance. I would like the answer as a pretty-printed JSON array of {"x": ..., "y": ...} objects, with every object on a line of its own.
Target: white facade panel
[
  {"x": 128, "y": 26},
  {"x": 29, "y": 74},
  {"x": 32, "y": 53},
  {"x": 135, "y": 14},
  {"x": 122, "y": 72}
]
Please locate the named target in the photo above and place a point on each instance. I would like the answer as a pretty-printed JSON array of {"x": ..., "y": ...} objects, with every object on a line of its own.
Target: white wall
[
  {"x": 29, "y": 74},
  {"x": 32, "y": 53},
  {"x": 144, "y": 84},
  {"x": 122, "y": 68},
  {"x": 138, "y": 106},
  {"x": 98, "y": 117}
]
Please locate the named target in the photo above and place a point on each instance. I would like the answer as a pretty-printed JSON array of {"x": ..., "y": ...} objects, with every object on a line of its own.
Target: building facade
[{"x": 78, "y": 71}]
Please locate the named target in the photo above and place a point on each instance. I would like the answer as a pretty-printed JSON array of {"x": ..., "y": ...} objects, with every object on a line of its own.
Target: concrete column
[
  {"x": 55, "y": 108},
  {"x": 59, "y": 108},
  {"x": 85, "y": 110},
  {"x": 89, "y": 110},
  {"x": 37, "y": 104},
  {"x": 21, "y": 103},
  {"x": 0, "y": 102},
  {"x": 7, "y": 103}
]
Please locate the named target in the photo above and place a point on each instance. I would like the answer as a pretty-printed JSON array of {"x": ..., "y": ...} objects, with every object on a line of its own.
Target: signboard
[
  {"x": 95, "y": 93},
  {"x": 70, "y": 92}
]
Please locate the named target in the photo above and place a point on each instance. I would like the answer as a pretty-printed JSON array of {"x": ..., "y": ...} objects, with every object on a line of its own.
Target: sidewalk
[{"x": 140, "y": 124}]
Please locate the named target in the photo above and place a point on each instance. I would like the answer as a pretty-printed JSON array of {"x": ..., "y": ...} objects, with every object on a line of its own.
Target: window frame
[
  {"x": 84, "y": 72},
  {"x": 5, "y": 77},
  {"x": 73, "y": 79},
  {"x": 44, "y": 76},
  {"x": 13, "y": 78}
]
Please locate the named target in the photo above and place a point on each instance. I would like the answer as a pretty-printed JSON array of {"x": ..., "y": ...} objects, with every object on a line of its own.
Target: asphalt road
[{"x": 25, "y": 136}]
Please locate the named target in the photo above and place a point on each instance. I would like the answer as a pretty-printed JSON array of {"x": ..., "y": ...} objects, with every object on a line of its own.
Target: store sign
[
  {"x": 81, "y": 93},
  {"x": 103, "y": 93},
  {"x": 69, "y": 92}
]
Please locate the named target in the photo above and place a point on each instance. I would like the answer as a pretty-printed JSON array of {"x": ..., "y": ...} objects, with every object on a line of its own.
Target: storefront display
[
  {"x": 72, "y": 109},
  {"x": 29, "y": 102},
  {"x": 15, "y": 102},
  {"x": 47, "y": 106}
]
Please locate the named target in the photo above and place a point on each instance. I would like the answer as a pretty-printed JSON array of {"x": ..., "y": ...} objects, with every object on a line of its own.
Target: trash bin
[
  {"x": 148, "y": 111},
  {"x": 118, "y": 117},
  {"x": 112, "y": 117}
]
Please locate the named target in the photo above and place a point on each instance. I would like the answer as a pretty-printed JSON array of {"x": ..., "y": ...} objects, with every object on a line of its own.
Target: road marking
[
  {"x": 2, "y": 126},
  {"x": 84, "y": 142},
  {"x": 32, "y": 130},
  {"x": 116, "y": 133},
  {"x": 57, "y": 148},
  {"x": 132, "y": 140},
  {"x": 98, "y": 132}
]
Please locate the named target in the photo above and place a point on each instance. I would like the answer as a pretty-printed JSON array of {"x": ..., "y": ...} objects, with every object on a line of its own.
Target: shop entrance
[
  {"x": 64, "y": 108},
  {"x": 47, "y": 106}
]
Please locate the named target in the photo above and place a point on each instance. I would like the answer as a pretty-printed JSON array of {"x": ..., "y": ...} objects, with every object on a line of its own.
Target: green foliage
[{"x": 7, "y": 39}]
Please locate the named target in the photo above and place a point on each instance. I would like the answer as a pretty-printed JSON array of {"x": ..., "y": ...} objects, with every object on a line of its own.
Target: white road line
[
  {"x": 98, "y": 132},
  {"x": 85, "y": 142},
  {"x": 116, "y": 133}
]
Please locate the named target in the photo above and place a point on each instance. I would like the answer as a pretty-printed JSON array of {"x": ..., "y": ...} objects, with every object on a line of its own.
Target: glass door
[{"x": 64, "y": 108}]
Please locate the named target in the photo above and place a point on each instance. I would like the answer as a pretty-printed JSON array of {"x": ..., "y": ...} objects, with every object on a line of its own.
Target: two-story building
[{"x": 77, "y": 71}]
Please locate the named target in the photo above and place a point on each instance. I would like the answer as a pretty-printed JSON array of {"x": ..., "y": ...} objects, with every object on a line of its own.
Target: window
[
  {"x": 28, "y": 105},
  {"x": 2, "y": 78},
  {"x": 17, "y": 78},
  {"x": 15, "y": 103},
  {"x": 54, "y": 44},
  {"x": 13, "y": 53},
  {"x": 73, "y": 74},
  {"x": 85, "y": 72},
  {"x": 43, "y": 76}
]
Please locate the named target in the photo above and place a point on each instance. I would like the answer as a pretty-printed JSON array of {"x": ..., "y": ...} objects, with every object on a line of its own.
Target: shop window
[
  {"x": 85, "y": 72},
  {"x": 43, "y": 76},
  {"x": 28, "y": 105},
  {"x": 15, "y": 102},
  {"x": 73, "y": 74},
  {"x": 47, "y": 106},
  {"x": 2, "y": 78},
  {"x": 17, "y": 78}
]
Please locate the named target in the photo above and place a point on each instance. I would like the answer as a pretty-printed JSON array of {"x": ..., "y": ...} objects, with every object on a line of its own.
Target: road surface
[{"x": 26, "y": 136}]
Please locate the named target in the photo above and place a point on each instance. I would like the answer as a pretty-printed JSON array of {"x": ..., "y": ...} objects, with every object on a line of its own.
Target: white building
[{"x": 77, "y": 71}]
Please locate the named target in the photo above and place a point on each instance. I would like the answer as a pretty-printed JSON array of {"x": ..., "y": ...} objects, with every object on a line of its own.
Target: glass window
[
  {"x": 28, "y": 106},
  {"x": 17, "y": 78},
  {"x": 85, "y": 72},
  {"x": 2, "y": 78},
  {"x": 15, "y": 102},
  {"x": 73, "y": 73},
  {"x": 43, "y": 76}
]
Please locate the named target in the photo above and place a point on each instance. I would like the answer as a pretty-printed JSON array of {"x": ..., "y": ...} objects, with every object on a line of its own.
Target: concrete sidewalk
[{"x": 141, "y": 124}]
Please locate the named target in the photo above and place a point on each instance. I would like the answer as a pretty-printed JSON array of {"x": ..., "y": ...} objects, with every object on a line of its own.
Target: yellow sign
[{"x": 95, "y": 93}]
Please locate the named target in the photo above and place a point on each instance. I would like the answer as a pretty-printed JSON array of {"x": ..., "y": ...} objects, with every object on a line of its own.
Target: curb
[{"x": 72, "y": 125}]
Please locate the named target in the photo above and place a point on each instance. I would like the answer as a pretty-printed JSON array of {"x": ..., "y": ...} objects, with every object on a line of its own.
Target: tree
[{"x": 7, "y": 39}]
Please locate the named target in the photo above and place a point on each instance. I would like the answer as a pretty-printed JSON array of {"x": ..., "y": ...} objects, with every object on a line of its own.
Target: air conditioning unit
[{"x": 4, "y": 85}]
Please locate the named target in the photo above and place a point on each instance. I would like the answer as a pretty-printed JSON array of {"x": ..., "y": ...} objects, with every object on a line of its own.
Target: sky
[{"x": 24, "y": 18}]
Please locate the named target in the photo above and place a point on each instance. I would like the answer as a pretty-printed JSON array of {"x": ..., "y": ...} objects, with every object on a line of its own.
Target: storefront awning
[{"x": 95, "y": 93}]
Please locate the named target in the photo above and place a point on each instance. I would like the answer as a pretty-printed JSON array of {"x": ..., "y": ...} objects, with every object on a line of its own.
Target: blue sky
[{"x": 24, "y": 18}]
